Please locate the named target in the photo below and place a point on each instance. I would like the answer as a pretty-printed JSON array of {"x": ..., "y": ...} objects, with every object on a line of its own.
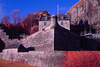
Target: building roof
[
  {"x": 63, "y": 17},
  {"x": 60, "y": 16},
  {"x": 45, "y": 18}
]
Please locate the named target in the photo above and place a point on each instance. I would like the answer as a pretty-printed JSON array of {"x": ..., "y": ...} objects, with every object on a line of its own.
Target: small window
[
  {"x": 45, "y": 18},
  {"x": 61, "y": 23},
  {"x": 62, "y": 17},
  {"x": 45, "y": 24}
]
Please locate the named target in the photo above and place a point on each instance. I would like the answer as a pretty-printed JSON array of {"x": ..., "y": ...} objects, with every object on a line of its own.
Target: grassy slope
[{"x": 4, "y": 63}]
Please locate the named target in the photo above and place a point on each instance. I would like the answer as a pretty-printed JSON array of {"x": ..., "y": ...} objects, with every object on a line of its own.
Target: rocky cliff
[{"x": 86, "y": 11}]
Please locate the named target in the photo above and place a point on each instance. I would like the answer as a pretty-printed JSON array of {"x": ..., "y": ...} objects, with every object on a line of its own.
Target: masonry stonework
[
  {"x": 41, "y": 59},
  {"x": 49, "y": 45},
  {"x": 53, "y": 38},
  {"x": 62, "y": 22}
]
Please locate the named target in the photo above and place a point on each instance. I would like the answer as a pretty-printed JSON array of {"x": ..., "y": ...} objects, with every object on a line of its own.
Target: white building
[{"x": 63, "y": 20}]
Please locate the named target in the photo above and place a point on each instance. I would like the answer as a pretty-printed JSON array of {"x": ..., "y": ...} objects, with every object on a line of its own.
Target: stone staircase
[
  {"x": 6, "y": 39},
  {"x": 3, "y": 35}
]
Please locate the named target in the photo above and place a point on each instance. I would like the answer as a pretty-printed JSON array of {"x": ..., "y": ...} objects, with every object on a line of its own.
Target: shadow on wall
[
  {"x": 21, "y": 48},
  {"x": 2, "y": 45},
  {"x": 82, "y": 27},
  {"x": 89, "y": 44},
  {"x": 65, "y": 40}
]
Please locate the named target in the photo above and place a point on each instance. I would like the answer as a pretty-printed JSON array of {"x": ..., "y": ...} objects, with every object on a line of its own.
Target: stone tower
[{"x": 53, "y": 21}]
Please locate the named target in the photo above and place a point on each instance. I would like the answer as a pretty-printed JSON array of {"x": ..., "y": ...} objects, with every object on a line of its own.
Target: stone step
[{"x": 3, "y": 35}]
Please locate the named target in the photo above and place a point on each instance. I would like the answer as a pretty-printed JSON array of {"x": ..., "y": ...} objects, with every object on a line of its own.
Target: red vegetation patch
[
  {"x": 82, "y": 59},
  {"x": 29, "y": 25}
]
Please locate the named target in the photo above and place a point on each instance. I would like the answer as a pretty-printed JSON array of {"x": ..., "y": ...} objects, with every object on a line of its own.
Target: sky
[{"x": 31, "y": 6}]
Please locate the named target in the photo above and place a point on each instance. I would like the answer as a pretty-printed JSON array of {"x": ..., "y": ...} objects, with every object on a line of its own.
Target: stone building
[
  {"x": 53, "y": 35},
  {"x": 63, "y": 20}
]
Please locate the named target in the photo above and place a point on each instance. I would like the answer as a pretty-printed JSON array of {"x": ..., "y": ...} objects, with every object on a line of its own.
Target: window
[
  {"x": 44, "y": 23},
  {"x": 61, "y": 23},
  {"x": 45, "y": 18},
  {"x": 62, "y": 17}
]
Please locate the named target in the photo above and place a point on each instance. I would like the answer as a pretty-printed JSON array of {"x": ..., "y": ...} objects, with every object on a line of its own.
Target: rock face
[{"x": 86, "y": 10}]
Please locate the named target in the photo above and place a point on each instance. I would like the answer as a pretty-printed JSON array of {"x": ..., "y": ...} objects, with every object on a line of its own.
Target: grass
[{"x": 4, "y": 63}]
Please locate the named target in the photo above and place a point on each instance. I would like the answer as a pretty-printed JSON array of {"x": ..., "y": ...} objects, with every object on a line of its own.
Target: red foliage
[
  {"x": 30, "y": 23},
  {"x": 82, "y": 59}
]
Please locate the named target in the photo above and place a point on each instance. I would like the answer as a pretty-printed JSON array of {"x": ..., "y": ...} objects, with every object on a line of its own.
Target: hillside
[{"x": 86, "y": 10}]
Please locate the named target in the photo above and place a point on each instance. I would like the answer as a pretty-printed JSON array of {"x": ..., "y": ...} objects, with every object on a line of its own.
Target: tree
[
  {"x": 5, "y": 19},
  {"x": 16, "y": 16},
  {"x": 23, "y": 17}
]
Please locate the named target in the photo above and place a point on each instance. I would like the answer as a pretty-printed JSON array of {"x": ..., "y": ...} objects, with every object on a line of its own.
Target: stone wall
[
  {"x": 42, "y": 26},
  {"x": 41, "y": 40},
  {"x": 65, "y": 40},
  {"x": 3, "y": 35},
  {"x": 41, "y": 59},
  {"x": 65, "y": 24}
]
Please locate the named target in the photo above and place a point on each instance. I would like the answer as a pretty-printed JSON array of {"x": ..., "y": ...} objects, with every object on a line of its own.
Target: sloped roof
[
  {"x": 45, "y": 18},
  {"x": 48, "y": 18}
]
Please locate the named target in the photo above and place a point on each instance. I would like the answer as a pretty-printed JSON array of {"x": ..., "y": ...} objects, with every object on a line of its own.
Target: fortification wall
[
  {"x": 41, "y": 40},
  {"x": 41, "y": 59}
]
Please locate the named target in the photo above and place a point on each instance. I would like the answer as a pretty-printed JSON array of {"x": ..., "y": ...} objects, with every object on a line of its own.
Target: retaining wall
[{"x": 35, "y": 58}]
